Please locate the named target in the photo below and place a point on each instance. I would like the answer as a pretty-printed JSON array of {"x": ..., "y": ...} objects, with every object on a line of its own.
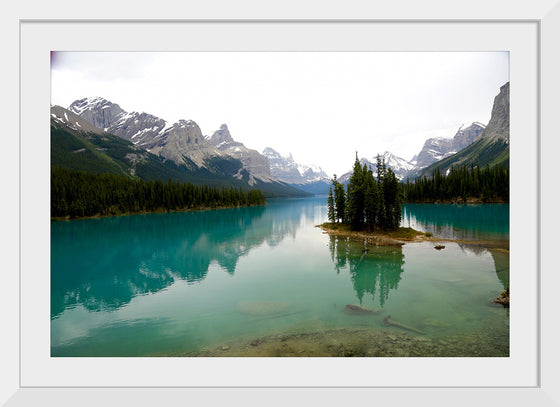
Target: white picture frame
[{"x": 545, "y": 16}]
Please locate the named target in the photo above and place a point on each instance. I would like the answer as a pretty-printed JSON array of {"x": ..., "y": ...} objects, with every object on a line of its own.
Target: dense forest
[
  {"x": 368, "y": 203},
  {"x": 80, "y": 194},
  {"x": 463, "y": 183}
]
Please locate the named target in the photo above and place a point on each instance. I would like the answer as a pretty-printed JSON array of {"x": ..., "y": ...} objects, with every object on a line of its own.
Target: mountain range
[
  {"x": 434, "y": 150},
  {"x": 310, "y": 178},
  {"x": 491, "y": 147},
  {"x": 79, "y": 145},
  {"x": 96, "y": 134},
  {"x": 438, "y": 148},
  {"x": 473, "y": 143}
]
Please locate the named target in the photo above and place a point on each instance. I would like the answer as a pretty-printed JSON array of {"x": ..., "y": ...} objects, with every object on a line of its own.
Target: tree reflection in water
[{"x": 373, "y": 269}]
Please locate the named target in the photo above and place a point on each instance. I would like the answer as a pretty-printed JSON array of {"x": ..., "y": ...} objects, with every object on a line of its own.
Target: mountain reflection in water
[
  {"x": 96, "y": 263},
  {"x": 179, "y": 282}
]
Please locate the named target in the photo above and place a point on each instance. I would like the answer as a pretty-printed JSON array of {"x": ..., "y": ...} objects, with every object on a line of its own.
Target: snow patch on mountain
[
  {"x": 400, "y": 166},
  {"x": 284, "y": 168}
]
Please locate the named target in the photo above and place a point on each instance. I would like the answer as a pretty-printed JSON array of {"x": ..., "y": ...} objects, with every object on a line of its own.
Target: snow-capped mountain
[
  {"x": 286, "y": 169},
  {"x": 181, "y": 142},
  {"x": 309, "y": 178},
  {"x": 491, "y": 144},
  {"x": 401, "y": 167},
  {"x": 61, "y": 116},
  {"x": 435, "y": 149},
  {"x": 252, "y": 160},
  {"x": 139, "y": 128},
  {"x": 439, "y": 148}
]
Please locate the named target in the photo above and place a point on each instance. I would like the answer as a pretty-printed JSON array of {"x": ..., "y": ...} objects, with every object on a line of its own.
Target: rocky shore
[{"x": 363, "y": 342}]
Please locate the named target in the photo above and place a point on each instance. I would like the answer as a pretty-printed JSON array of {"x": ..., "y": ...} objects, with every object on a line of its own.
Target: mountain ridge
[
  {"x": 77, "y": 144},
  {"x": 309, "y": 178},
  {"x": 490, "y": 148},
  {"x": 252, "y": 160},
  {"x": 181, "y": 142}
]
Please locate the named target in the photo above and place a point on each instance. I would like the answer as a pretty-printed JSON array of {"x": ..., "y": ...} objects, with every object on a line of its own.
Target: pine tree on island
[
  {"x": 330, "y": 205},
  {"x": 339, "y": 201},
  {"x": 355, "y": 197},
  {"x": 367, "y": 204}
]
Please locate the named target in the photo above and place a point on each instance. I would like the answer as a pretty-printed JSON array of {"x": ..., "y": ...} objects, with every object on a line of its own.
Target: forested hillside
[
  {"x": 77, "y": 194},
  {"x": 462, "y": 184}
]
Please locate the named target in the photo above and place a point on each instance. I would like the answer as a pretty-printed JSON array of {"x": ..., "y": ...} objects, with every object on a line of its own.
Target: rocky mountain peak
[
  {"x": 181, "y": 142},
  {"x": 63, "y": 117},
  {"x": 252, "y": 160},
  {"x": 492, "y": 145},
  {"x": 439, "y": 148},
  {"x": 498, "y": 126},
  {"x": 271, "y": 153},
  {"x": 221, "y": 137},
  {"x": 183, "y": 124},
  {"x": 96, "y": 110},
  {"x": 287, "y": 170},
  {"x": 466, "y": 135}
]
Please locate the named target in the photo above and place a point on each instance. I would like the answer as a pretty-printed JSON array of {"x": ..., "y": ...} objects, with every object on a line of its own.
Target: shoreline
[
  {"x": 160, "y": 211},
  {"x": 391, "y": 238},
  {"x": 358, "y": 341},
  {"x": 468, "y": 201}
]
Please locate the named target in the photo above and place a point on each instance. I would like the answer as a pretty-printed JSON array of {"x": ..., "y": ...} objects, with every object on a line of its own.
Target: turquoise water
[
  {"x": 462, "y": 221},
  {"x": 164, "y": 284}
]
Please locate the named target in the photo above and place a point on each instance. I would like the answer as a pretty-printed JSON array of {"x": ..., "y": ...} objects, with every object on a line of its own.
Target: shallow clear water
[{"x": 164, "y": 284}]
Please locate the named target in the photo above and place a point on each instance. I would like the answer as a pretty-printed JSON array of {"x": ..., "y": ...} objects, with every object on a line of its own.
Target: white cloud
[{"x": 321, "y": 106}]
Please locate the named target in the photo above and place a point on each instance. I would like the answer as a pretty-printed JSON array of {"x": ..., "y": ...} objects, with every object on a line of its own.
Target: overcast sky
[{"x": 320, "y": 106}]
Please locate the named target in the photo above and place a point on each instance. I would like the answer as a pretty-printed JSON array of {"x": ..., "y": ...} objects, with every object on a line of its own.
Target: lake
[{"x": 264, "y": 279}]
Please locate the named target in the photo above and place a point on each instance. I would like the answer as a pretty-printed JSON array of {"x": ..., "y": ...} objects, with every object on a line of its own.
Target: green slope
[
  {"x": 484, "y": 151},
  {"x": 106, "y": 153}
]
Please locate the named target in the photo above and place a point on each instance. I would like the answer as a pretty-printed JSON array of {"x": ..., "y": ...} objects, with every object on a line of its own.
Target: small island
[
  {"x": 368, "y": 204},
  {"x": 370, "y": 208},
  {"x": 395, "y": 237}
]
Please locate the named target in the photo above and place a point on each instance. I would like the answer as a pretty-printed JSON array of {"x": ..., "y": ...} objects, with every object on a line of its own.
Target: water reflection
[
  {"x": 103, "y": 263},
  {"x": 486, "y": 225},
  {"x": 374, "y": 270},
  {"x": 472, "y": 222}
]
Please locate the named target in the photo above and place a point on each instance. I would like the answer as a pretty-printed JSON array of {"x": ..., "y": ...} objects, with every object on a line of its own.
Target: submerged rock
[
  {"x": 357, "y": 309},
  {"x": 389, "y": 321}
]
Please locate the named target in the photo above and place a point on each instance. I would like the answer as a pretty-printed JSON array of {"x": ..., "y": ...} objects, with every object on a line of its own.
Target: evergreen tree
[
  {"x": 369, "y": 203},
  {"x": 355, "y": 197},
  {"x": 381, "y": 209},
  {"x": 330, "y": 206},
  {"x": 459, "y": 184},
  {"x": 392, "y": 196},
  {"x": 371, "y": 200},
  {"x": 79, "y": 194},
  {"x": 339, "y": 201}
]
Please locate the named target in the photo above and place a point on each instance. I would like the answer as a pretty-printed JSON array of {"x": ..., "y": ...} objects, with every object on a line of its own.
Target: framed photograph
[{"x": 298, "y": 61}]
